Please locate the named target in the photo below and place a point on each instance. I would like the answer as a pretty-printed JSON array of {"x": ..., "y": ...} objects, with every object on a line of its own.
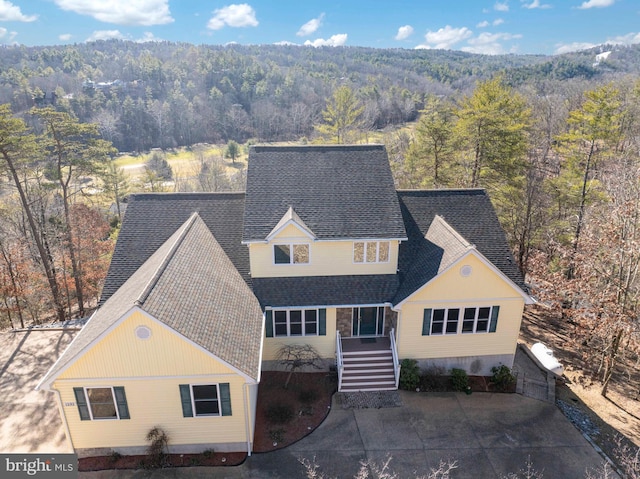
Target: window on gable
[
  {"x": 447, "y": 321},
  {"x": 291, "y": 253},
  {"x": 371, "y": 252},
  {"x": 295, "y": 322},
  {"x": 101, "y": 403}
]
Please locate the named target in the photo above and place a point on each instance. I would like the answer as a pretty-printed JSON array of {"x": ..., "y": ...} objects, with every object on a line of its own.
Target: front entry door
[{"x": 368, "y": 321}]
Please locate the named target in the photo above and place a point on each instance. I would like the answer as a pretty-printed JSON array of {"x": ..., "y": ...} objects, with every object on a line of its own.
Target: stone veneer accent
[
  {"x": 390, "y": 320},
  {"x": 343, "y": 321}
]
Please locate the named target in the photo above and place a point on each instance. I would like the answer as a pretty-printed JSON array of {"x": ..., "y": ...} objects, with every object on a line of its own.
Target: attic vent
[
  {"x": 142, "y": 332},
  {"x": 466, "y": 270}
]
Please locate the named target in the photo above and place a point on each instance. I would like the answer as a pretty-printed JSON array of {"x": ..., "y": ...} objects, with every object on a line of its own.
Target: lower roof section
[{"x": 325, "y": 290}]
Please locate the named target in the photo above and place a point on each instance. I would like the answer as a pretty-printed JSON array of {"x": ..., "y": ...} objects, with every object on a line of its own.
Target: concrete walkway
[
  {"x": 489, "y": 435},
  {"x": 30, "y": 419}
]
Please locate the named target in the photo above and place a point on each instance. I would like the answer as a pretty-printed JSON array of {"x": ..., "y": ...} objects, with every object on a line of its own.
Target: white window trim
[
  {"x": 364, "y": 257},
  {"x": 113, "y": 398},
  {"x": 475, "y": 320},
  {"x": 291, "y": 261},
  {"x": 444, "y": 323},
  {"x": 304, "y": 333},
  {"x": 193, "y": 400}
]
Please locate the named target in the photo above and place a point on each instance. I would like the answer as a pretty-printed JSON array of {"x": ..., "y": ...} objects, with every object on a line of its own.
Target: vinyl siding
[
  {"x": 154, "y": 402},
  {"x": 452, "y": 290},
  {"x": 121, "y": 354},
  {"x": 325, "y": 345},
  {"x": 326, "y": 258}
]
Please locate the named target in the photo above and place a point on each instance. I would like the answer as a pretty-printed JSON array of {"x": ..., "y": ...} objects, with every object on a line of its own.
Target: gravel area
[
  {"x": 578, "y": 418},
  {"x": 369, "y": 399}
]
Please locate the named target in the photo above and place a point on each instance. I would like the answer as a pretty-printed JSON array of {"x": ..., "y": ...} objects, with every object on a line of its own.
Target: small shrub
[
  {"x": 459, "y": 379},
  {"x": 159, "y": 441},
  {"x": 433, "y": 379},
  {"x": 409, "y": 374},
  {"x": 502, "y": 377},
  {"x": 306, "y": 411},
  {"x": 308, "y": 396},
  {"x": 114, "y": 457},
  {"x": 208, "y": 453},
  {"x": 279, "y": 413},
  {"x": 276, "y": 435}
]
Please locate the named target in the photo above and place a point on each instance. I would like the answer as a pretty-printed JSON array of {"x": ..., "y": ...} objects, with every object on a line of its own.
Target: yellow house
[{"x": 204, "y": 289}]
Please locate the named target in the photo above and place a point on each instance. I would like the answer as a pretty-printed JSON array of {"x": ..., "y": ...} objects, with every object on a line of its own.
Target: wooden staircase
[{"x": 368, "y": 371}]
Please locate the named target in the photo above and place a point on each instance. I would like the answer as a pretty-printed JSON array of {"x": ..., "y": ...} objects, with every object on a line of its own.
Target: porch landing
[{"x": 358, "y": 344}]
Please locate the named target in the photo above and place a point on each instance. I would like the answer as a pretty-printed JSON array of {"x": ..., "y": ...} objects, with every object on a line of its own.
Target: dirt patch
[
  {"x": 285, "y": 416},
  {"x": 609, "y": 418}
]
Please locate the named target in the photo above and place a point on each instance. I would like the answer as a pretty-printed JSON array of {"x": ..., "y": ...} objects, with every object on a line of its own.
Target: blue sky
[{"x": 479, "y": 26}]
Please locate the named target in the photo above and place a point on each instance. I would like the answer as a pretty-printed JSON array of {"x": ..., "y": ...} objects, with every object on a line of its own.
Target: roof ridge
[{"x": 187, "y": 225}]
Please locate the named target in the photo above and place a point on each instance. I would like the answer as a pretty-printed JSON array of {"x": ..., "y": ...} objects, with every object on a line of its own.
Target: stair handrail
[
  {"x": 339, "y": 360},
  {"x": 394, "y": 353}
]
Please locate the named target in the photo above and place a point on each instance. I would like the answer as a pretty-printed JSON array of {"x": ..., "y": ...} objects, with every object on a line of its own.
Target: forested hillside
[{"x": 160, "y": 94}]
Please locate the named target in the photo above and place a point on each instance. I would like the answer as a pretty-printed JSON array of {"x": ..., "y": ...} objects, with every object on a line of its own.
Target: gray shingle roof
[
  {"x": 152, "y": 218},
  {"x": 208, "y": 302},
  {"x": 338, "y": 191},
  {"x": 326, "y": 290},
  {"x": 470, "y": 214}
]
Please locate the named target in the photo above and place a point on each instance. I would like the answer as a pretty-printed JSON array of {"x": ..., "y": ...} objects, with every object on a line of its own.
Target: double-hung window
[
  {"x": 460, "y": 320},
  {"x": 205, "y": 400},
  {"x": 291, "y": 253},
  {"x": 101, "y": 403},
  {"x": 371, "y": 252},
  {"x": 295, "y": 322}
]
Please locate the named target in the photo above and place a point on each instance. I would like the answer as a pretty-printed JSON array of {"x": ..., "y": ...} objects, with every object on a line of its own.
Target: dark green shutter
[
  {"x": 494, "y": 319},
  {"x": 121, "y": 402},
  {"x": 185, "y": 397},
  {"x": 426, "y": 322},
  {"x": 225, "y": 399},
  {"x": 81, "y": 402},
  {"x": 268, "y": 326},
  {"x": 322, "y": 322}
]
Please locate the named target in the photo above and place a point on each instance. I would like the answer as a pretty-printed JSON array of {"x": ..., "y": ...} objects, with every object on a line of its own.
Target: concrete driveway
[{"x": 30, "y": 420}]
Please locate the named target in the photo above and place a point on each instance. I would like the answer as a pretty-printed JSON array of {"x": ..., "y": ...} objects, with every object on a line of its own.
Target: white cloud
[
  {"x": 286, "y": 43},
  {"x": 446, "y": 37},
  {"x": 333, "y": 41},
  {"x": 483, "y": 24},
  {"x": 105, "y": 35},
  {"x": 404, "y": 32},
  {"x": 501, "y": 6},
  {"x": 121, "y": 12},
  {"x": 10, "y": 13},
  {"x": 572, "y": 47},
  {"x": 310, "y": 27},
  {"x": 6, "y": 35},
  {"x": 596, "y": 4},
  {"x": 237, "y": 15},
  {"x": 497, "y": 21},
  {"x": 490, "y": 43},
  {"x": 148, "y": 37},
  {"x": 65, "y": 37},
  {"x": 628, "y": 39},
  {"x": 535, "y": 4}
]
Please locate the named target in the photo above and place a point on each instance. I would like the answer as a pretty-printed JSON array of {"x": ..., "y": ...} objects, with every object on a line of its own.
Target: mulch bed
[{"x": 308, "y": 397}]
